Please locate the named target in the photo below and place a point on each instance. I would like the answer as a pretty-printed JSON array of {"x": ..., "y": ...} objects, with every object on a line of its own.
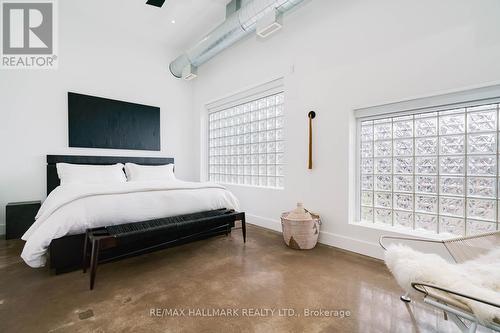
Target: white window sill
[{"x": 420, "y": 233}]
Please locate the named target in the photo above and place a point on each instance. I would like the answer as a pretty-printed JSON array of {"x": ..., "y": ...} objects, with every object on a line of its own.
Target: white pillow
[
  {"x": 90, "y": 174},
  {"x": 136, "y": 172}
]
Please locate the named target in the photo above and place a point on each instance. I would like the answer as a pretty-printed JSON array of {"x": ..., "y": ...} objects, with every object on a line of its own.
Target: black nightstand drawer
[{"x": 19, "y": 217}]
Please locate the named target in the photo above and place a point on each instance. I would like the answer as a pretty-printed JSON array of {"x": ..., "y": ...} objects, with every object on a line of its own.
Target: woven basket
[{"x": 300, "y": 234}]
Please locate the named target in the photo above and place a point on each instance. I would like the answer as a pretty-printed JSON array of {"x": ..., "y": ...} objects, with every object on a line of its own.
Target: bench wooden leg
[
  {"x": 85, "y": 261},
  {"x": 244, "y": 229},
  {"x": 93, "y": 261}
]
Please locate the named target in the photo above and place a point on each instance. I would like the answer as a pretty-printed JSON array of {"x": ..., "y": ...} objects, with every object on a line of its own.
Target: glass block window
[
  {"x": 435, "y": 171},
  {"x": 246, "y": 143}
]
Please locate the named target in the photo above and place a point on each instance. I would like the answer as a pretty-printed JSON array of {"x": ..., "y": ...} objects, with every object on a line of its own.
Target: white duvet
[{"x": 71, "y": 209}]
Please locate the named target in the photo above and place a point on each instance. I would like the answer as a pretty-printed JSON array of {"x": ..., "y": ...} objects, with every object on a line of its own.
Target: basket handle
[{"x": 318, "y": 219}]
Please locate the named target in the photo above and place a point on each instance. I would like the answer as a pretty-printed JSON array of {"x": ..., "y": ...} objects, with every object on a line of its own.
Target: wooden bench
[{"x": 148, "y": 236}]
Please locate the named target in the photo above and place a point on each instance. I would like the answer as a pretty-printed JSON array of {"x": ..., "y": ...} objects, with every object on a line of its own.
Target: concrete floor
[{"x": 218, "y": 273}]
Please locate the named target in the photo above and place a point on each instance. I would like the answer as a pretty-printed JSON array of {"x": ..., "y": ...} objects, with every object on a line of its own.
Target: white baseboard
[
  {"x": 351, "y": 244},
  {"x": 343, "y": 242},
  {"x": 263, "y": 222}
]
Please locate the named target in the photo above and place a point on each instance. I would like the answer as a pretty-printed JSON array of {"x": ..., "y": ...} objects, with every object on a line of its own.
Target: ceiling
[{"x": 193, "y": 18}]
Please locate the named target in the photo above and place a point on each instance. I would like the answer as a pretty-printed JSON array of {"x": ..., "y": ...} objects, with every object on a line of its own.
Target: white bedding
[{"x": 71, "y": 209}]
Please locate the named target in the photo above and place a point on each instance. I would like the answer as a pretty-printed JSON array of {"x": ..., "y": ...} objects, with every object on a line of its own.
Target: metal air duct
[{"x": 236, "y": 26}]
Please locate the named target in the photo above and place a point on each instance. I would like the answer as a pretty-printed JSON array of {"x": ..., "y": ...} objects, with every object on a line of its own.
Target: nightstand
[{"x": 19, "y": 216}]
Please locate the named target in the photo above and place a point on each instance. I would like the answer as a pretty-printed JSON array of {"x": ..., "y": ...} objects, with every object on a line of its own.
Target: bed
[{"x": 57, "y": 237}]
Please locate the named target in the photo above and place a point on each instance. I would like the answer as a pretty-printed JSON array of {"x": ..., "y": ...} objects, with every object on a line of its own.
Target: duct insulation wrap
[{"x": 234, "y": 28}]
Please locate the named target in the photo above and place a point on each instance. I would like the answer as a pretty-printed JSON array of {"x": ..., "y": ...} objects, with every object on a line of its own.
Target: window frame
[
  {"x": 245, "y": 96},
  {"x": 443, "y": 102}
]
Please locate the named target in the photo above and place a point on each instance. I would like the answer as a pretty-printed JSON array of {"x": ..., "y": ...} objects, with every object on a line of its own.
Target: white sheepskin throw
[{"x": 479, "y": 278}]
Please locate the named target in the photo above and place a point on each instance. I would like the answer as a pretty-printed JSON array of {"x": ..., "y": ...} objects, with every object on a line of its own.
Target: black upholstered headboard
[{"x": 53, "y": 180}]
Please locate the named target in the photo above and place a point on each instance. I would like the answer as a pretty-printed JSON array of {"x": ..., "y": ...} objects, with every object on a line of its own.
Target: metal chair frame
[{"x": 457, "y": 315}]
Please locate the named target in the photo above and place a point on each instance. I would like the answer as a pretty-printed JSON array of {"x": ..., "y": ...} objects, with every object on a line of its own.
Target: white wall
[
  {"x": 97, "y": 61},
  {"x": 336, "y": 56}
]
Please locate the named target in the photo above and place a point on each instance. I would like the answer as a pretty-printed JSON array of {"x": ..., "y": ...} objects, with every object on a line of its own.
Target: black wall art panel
[{"x": 96, "y": 122}]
